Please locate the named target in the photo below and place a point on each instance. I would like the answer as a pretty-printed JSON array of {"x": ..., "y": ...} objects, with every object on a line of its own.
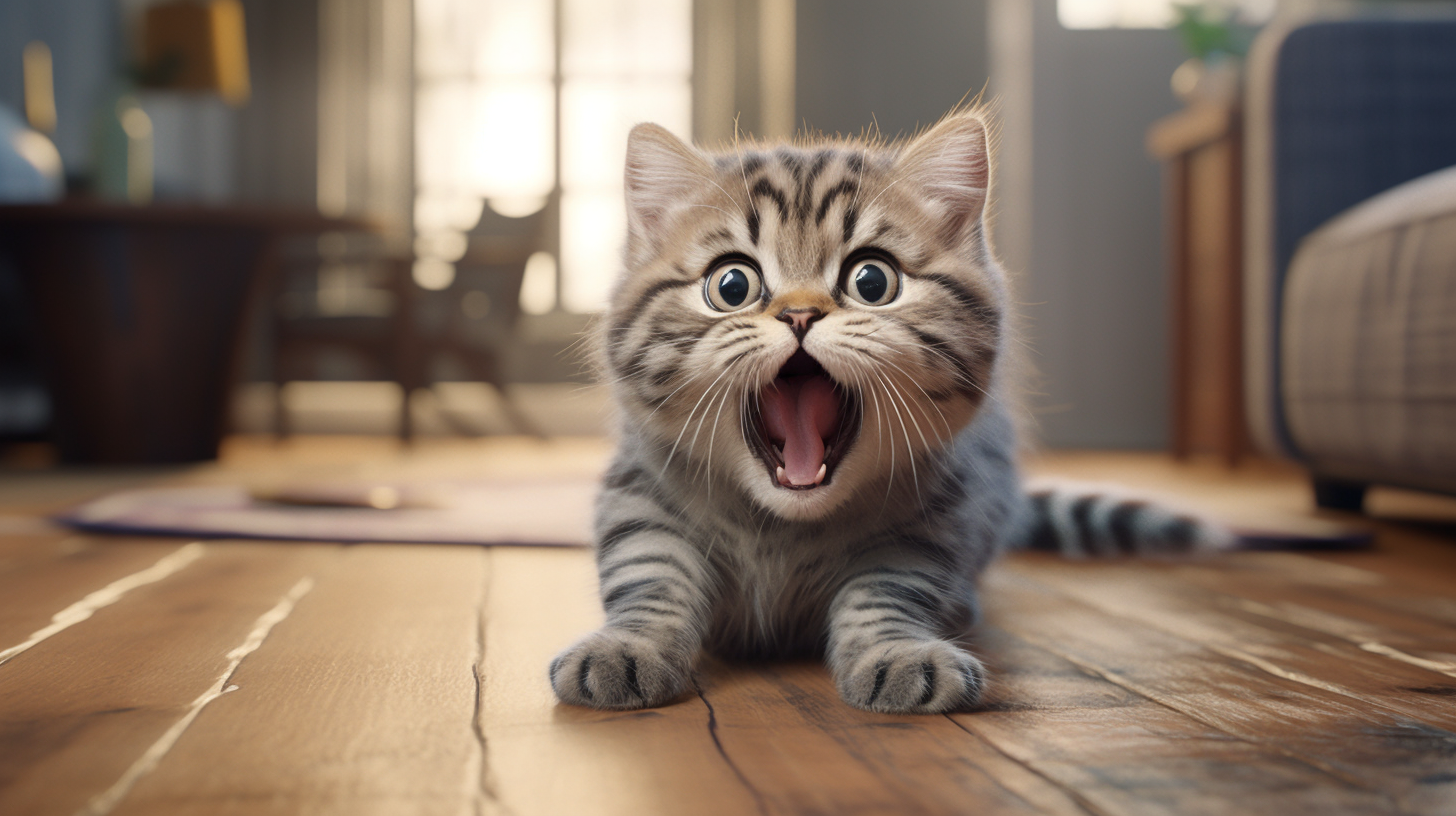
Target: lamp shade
[{"x": 197, "y": 46}]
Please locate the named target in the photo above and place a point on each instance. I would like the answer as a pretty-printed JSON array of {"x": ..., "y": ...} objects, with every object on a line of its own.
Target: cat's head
[{"x": 807, "y": 321}]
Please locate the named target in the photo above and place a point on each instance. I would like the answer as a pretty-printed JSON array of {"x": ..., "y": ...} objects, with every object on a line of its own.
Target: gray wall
[
  {"x": 1091, "y": 256},
  {"x": 1077, "y": 206},
  {"x": 264, "y": 152},
  {"x": 902, "y": 64},
  {"x": 85, "y": 42}
]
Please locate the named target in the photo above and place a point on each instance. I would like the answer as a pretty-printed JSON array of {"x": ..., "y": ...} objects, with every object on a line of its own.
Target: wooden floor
[{"x": 155, "y": 676}]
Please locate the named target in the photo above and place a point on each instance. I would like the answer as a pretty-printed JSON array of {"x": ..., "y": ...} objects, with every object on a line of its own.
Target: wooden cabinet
[{"x": 1201, "y": 149}]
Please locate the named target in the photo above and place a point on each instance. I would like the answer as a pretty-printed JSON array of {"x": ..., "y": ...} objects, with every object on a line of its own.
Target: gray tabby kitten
[{"x": 817, "y": 457}]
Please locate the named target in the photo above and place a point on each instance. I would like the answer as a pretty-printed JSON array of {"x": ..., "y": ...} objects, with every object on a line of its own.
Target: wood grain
[
  {"x": 360, "y": 702},
  {"x": 787, "y": 731},
  {"x": 79, "y": 708},
  {"x": 1119, "y": 751},
  {"x": 543, "y": 757},
  {"x": 291, "y": 678},
  {"x": 1398, "y": 762},
  {"x": 53, "y": 573},
  {"x": 1233, "y": 616}
]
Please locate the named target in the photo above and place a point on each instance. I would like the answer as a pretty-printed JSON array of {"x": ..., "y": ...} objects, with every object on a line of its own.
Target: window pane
[
  {"x": 593, "y": 226},
  {"x": 502, "y": 38},
  {"x": 1149, "y": 13},
  {"x": 627, "y": 36},
  {"x": 518, "y": 39},
  {"x": 489, "y": 140},
  {"x": 596, "y": 116}
]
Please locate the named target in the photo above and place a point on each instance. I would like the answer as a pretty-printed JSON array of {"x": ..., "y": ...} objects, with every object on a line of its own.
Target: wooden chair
[{"x": 401, "y": 332}]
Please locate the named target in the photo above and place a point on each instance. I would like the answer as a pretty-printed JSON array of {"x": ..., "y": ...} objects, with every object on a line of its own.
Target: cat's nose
[{"x": 799, "y": 319}]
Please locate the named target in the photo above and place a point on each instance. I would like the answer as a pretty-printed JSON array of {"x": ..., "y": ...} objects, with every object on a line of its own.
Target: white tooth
[
  {"x": 783, "y": 477},
  {"x": 823, "y": 469},
  {"x": 778, "y": 451}
]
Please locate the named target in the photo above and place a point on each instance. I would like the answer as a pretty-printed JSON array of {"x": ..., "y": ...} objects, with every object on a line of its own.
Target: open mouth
[{"x": 803, "y": 424}]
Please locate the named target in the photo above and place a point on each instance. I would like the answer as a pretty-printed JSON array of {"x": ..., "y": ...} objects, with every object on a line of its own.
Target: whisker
[
  {"x": 684, "y": 430},
  {"x": 910, "y": 452}
]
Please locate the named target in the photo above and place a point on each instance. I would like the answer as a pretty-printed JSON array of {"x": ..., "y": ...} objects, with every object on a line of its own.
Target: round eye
[
  {"x": 873, "y": 282},
  {"x": 732, "y": 286}
]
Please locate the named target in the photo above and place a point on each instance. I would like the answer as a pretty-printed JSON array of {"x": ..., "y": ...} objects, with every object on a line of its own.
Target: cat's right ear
[{"x": 663, "y": 176}]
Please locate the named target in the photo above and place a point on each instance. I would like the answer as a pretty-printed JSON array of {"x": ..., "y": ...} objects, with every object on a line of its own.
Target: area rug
[
  {"x": 540, "y": 513},
  {"x": 537, "y": 513}
]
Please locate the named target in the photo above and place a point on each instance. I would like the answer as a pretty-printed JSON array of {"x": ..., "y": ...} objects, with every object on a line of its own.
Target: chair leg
[
  {"x": 519, "y": 421},
  {"x": 488, "y": 369},
  {"x": 280, "y": 414},
  {"x": 406, "y": 417},
  {"x": 1339, "y": 494},
  {"x": 280, "y": 410}
]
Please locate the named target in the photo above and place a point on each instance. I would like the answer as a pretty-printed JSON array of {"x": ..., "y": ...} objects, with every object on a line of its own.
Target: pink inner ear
[
  {"x": 662, "y": 172},
  {"x": 951, "y": 164}
]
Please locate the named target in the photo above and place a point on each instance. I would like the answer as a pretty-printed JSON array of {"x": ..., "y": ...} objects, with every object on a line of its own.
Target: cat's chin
[{"x": 798, "y": 505}]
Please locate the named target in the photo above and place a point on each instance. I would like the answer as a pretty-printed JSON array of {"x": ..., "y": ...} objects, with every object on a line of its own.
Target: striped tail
[{"x": 1090, "y": 522}]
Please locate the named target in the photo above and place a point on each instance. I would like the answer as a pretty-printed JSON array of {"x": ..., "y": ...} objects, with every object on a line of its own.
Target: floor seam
[
  {"x": 1139, "y": 690},
  {"x": 758, "y": 799},
  {"x": 106, "y": 801},
  {"x": 1077, "y": 798},
  {"x": 484, "y": 789},
  {"x": 82, "y": 610}
]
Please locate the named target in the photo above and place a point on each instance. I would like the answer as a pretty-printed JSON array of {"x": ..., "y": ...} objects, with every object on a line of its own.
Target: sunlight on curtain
[
  {"x": 623, "y": 62},
  {"x": 485, "y": 121}
]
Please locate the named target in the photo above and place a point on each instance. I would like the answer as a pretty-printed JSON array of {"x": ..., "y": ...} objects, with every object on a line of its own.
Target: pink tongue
[{"x": 798, "y": 413}]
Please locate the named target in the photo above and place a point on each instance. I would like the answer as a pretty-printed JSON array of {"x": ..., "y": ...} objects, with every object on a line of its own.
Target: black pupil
[
  {"x": 871, "y": 282},
  {"x": 733, "y": 287}
]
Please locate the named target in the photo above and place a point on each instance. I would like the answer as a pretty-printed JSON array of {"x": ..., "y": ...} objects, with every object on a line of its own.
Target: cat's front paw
[
  {"x": 913, "y": 677},
  {"x": 611, "y": 668}
]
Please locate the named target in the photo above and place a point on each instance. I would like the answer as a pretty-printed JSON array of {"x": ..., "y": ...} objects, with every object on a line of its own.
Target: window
[
  {"x": 491, "y": 77},
  {"x": 1148, "y": 13}
]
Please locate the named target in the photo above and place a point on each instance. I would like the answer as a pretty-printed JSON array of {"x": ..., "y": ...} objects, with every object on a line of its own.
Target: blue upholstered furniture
[{"x": 1350, "y": 268}]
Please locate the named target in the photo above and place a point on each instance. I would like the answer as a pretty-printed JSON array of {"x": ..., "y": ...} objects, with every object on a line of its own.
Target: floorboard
[
  {"x": 376, "y": 658},
  {"x": 161, "y": 676},
  {"x": 79, "y": 708}
]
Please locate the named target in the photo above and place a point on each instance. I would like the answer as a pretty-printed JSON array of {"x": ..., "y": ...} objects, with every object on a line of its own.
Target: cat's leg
[
  {"x": 885, "y": 648},
  {"x": 655, "y": 589}
]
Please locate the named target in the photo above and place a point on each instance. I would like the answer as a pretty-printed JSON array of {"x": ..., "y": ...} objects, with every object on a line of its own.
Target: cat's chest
[{"x": 774, "y": 594}]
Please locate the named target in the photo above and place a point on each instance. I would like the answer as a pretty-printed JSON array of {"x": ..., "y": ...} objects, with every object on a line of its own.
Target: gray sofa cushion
[{"x": 1368, "y": 342}]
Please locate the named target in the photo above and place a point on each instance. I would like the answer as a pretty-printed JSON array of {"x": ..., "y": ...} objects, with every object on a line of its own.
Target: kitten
[{"x": 808, "y": 351}]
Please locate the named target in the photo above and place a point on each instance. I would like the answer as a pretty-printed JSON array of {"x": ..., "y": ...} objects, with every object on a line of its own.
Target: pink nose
[{"x": 799, "y": 319}]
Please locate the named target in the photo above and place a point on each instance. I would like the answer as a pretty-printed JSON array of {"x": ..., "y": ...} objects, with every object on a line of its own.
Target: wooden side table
[
  {"x": 140, "y": 313},
  {"x": 1202, "y": 151}
]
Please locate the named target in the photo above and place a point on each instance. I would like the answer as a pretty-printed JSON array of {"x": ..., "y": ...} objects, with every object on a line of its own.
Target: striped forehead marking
[{"x": 795, "y": 202}]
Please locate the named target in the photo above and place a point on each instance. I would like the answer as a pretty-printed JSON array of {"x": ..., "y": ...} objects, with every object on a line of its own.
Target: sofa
[{"x": 1350, "y": 251}]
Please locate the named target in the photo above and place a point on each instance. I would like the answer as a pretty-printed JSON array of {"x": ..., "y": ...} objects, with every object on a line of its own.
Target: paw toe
[
  {"x": 614, "y": 670},
  {"x": 922, "y": 677}
]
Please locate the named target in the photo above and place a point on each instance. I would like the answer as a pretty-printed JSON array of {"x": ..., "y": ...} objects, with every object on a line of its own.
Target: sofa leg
[{"x": 1339, "y": 494}]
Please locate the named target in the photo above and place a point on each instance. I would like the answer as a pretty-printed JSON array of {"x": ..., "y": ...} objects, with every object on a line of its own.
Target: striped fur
[
  {"x": 1082, "y": 521},
  {"x": 699, "y": 545}
]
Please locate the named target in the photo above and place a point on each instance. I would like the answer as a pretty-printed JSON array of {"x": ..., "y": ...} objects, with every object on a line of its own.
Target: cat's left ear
[
  {"x": 951, "y": 165},
  {"x": 663, "y": 175}
]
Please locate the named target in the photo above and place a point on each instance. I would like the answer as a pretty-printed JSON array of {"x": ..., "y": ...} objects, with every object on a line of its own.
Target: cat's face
[{"x": 807, "y": 322}]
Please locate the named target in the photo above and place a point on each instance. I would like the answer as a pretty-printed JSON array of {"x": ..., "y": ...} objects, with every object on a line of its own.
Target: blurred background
[{"x": 425, "y": 195}]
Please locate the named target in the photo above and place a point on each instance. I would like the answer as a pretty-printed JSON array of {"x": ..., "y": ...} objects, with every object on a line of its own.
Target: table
[{"x": 140, "y": 313}]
